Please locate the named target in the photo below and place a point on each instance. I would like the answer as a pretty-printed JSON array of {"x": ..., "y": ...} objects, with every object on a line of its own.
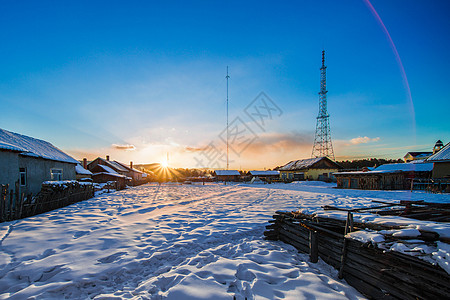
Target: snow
[
  {"x": 405, "y": 167},
  {"x": 107, "y": 169},
  {"x": 264, "y": 173},
  {"x": 442, "y": 155},
  {"x": 227, "y": 173},
  {"x": 300, "y": 164},
  {"x": 80, "y": 170},
  {"x": 180, "y": 242},
  {"x": 32, "y": 147}
]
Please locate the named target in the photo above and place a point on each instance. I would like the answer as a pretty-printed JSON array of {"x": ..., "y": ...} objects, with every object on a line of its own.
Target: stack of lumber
[{"x": 377, "y": 273}]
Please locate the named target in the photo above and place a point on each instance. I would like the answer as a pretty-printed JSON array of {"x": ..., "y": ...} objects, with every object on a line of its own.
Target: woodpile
[
  {"x": 52, "y": 196},
  {"x": 376, "y": 273}
]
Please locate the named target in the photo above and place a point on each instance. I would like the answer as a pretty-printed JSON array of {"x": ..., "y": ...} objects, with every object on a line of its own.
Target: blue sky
[{"x": 93, "y": 77}]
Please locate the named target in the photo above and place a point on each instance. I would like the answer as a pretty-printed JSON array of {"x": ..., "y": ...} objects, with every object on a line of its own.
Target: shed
[
  {"x": 318, "y": 168},
  {"x": 385, "y": 177},
  {"x": 26, "y": 162},
  {"x": 82, "y": 173},
  {"x": 227, "y": 175}
]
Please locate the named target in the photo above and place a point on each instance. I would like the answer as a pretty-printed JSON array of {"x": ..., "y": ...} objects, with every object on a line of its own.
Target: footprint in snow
[
  {"x": 111, "y": 258},
  {"x": 79, "y": 234}
]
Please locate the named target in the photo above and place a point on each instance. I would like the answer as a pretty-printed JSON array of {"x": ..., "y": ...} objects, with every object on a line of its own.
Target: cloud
[
  {"x": 124, "y": 147},
  {"x": 363, "y": 140},
  {"x": 195, "y": 149}
]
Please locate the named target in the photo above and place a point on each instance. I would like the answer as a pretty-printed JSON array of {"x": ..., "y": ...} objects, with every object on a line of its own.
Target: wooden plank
[{"x": 313, "y": 246}]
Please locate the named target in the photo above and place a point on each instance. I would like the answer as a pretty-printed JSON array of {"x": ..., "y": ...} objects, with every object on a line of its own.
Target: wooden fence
[
  {"x": 15, "y": 206},
  {"x": 374, "y": 272},
  {"x": 432, "y": 185}
]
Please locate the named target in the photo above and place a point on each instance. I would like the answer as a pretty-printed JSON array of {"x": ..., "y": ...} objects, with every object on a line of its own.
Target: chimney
[
  {"x": 131, "y": 165},
  {"x": 85, "y": 163},
  {"x": 107, "y": 157}
]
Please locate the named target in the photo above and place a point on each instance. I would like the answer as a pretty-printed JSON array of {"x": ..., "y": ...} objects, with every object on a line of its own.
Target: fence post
[{"x": 313, "y": 246}]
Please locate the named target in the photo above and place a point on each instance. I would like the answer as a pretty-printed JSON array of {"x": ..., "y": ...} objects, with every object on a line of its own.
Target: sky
[{"x": 145, "y": 81}]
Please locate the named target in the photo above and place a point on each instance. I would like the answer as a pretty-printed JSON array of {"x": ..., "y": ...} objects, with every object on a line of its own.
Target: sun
[{"x": 164, "y": 164}]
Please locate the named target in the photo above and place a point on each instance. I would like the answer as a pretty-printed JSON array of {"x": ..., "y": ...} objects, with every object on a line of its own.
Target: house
[
  {"x": 385, "y": 177},
  {"x": 318, "y": 168},
  {"x": 441, "y": 162},
  {"x": 104, "y": 173},
  {"x": 412, "y": 156},
  {"x": 264, "y": 175},
  {"x": 26, "y": 162},
  {"x": 118, "y": 168},
  {"x": 82, "y": 173},
  {"x": 227, "y": 175},
  {"x": 137, "y": 177}
]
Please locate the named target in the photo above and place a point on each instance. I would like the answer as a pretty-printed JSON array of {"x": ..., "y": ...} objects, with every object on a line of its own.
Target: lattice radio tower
[{"x": 322, "y": 140}]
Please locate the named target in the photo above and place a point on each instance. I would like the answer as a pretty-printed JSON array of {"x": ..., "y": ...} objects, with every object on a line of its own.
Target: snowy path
[{"x": 175, "y": 242}]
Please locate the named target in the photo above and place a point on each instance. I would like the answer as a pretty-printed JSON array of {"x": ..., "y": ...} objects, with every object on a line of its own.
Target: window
[
  {"x": 56, "y": 174},
  {"x": 23, "y": 176}
]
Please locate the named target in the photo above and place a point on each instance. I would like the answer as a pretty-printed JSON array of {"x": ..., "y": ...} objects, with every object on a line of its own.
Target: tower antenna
[
  {"x": 227, "y": 116},
  {"x": 322, "y": 140}
]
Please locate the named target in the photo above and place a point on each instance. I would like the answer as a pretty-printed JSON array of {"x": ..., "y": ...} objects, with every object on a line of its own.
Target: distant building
[
  {"x": 264, "y": 175},
  {"x": 318, "y": 168},
  {"x": 105, "y": 170},
  {"x": 412, "y": 156},
  {"x": 385, "y": 177},
  {"x": 227, "y": 175},
  {"x": 26, "y": 162},
  {"x": 137, "y": 177},
  {"x": 441, "y": 162}
]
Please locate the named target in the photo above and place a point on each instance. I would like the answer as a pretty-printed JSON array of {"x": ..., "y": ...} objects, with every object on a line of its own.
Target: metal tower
[{"x": 322, "y": 141}]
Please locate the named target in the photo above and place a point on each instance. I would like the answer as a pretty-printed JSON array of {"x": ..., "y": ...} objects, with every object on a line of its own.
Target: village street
[{"x": 174, "y": 242}]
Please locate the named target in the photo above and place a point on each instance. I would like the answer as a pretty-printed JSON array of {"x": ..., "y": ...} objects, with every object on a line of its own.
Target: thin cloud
[{"x": 124, "y": 147}]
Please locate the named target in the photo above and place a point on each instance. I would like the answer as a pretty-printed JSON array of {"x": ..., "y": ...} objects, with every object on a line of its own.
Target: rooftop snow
[
  {"x": 227, "y": 173},
  {"x": 107, "y": 169},
  {"x": 442, "y": 155},
  {"x": 405, "y": 167},
  {"x": 264, "y": 173},
  {"x": 127, "y": 167},
  {"x": 300, "y": 164},
  {"x": 80, "y": 170},
  {"x": 32, "y": 147}
]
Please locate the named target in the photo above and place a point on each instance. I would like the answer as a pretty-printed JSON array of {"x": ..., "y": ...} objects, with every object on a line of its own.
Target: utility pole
[
  {"x": 227, "y": 116},
  {"x": 322, "y": 140}
]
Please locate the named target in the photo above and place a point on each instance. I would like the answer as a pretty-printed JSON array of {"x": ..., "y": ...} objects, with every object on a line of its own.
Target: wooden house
[
  {"x": 26, "y": 162},
  {"x": 385, "y": 177},
  {"x": 137, "y": 177},
  {"x": 441, "y": 162},
  {"x": 227, "y": 175},
  {"x": 319, "y": 168}
]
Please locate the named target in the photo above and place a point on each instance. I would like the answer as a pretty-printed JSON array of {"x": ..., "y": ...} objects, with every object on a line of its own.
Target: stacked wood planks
[{"x": 376, "y": 273}]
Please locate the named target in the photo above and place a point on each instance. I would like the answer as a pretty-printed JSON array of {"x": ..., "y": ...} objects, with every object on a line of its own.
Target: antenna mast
[
  {"x": 227, "y": 115},
  {"x": 322, "y": 141}
]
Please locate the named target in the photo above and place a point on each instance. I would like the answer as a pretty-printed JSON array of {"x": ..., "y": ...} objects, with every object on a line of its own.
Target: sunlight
[{"x": 164, "y": 164}]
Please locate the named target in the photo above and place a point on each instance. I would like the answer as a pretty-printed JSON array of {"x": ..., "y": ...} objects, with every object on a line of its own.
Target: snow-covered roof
[
  {"x": 264, "y": 173},
  {"x": 32, "y": 147},
  {"x": 300, "y": 164},
  {"x": 127, "y": 167},
  {"x": 117, "y": 166},
  {"x": 406, "y": 167},
  {"x": 82, "y": 171},
  {"x": 107, "y": 169},
  {"x": 227, "y": 172},
  {"x": 110, "y": 174},
  {"x": 442, "y": 155}
]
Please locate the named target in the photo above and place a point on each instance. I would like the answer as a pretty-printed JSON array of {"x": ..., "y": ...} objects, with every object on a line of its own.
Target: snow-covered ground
[{"x": 174, "y": 242}]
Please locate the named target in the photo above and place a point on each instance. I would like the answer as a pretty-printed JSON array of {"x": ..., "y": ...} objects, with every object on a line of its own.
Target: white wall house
[{"x": 26, "y": 162}]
